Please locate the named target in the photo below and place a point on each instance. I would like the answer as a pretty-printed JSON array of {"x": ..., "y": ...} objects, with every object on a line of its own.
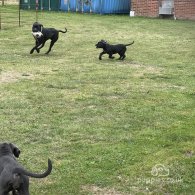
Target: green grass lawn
[{"x": 105, "y": 124}]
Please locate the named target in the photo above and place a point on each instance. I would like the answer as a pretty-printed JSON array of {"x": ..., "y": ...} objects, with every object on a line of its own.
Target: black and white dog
[
  {"x": 42, "y": 34},
  {"x": 112, "y": 49},
  {"x": 13, "y": 177}
]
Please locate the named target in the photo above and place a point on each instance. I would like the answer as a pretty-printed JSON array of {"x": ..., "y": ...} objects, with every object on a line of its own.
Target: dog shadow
[{"x": 116, "y": 61}]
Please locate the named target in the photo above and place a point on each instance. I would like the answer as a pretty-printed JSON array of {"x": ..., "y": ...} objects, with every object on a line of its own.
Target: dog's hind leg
[
  {"x": 122, "y": 54},
  {"x": 24, "y": 188},
  {"x": 123, "y": 57},
  {"x": 51, "y": 45},
  {"x": 14, "y": 192}
]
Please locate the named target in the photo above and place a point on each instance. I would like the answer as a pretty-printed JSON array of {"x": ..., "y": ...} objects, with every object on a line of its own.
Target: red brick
[{"x": 184, "y": 9}]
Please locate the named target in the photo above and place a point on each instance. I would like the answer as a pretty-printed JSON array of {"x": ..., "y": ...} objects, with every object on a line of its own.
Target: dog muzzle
[{"x": 37, "y": 34}]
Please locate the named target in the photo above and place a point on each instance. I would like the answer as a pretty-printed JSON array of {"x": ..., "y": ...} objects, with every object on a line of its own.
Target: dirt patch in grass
[
  {"x": 10, "y": 2},
  {"x": 11, "y": 76},
  {"x": 95, "y": 190},
  {"x": 143, "y": 69},
  {"x": 189, "y": 153}
]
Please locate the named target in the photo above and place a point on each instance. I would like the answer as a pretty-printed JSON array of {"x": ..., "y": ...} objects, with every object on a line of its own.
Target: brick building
[{"x": 180, "y": 9}]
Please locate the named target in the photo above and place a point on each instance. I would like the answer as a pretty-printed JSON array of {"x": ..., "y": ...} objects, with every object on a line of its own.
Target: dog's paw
[
  {"x": 48, "y": 51},
  {"x": 38, "y": 50},
  {"x": 31, "y": 51}
]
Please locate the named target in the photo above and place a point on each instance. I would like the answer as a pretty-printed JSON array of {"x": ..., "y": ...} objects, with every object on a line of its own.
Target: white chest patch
[{"x": 37, "y": 34}]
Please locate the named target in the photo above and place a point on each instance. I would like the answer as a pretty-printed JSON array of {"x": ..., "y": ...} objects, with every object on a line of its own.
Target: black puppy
[
  {"x": 112, "y": 49},
  {"x": 13, "y": 177},
  {"x": 42, "y": 34}
]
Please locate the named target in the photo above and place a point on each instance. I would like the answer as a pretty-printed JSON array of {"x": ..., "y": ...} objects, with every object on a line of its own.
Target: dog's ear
[
  {"x": 103, "y": 41},
  {"x": 15, "y": 150},
  {"x": 41, "y": 27}
]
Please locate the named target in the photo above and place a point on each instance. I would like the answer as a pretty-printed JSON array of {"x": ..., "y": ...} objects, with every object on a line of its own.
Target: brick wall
[
  {"x": 145, "y": 7},
  {"x": 184, "y": 9}
]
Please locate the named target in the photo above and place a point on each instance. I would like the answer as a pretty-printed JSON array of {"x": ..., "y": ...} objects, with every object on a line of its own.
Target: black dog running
[
  {"x": 112, "y": 49},
  {"x": 42, "y": 34}
]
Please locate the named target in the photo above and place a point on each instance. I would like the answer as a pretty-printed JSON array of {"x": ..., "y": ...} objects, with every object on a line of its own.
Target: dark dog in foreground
[
  {"x": 42, "y": 34},
  {"x": 112, "y": 49},
  {"x": 13, "y": 177}
]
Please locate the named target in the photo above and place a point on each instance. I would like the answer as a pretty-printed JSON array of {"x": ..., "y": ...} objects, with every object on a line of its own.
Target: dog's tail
[
  {"x": 130, "y": 43},
  {"x": 63, "y": 31},
  {"x": 35, "y": 175}
]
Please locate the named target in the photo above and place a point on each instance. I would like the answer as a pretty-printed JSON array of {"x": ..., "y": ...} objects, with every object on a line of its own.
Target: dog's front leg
[
  {"x": 101, "y": 54},
  {"x": 32, "y": 50},
  {"x": 35, "y": 47},
  {"x": 110, "y": 56},
  {"x": 40, "y": 46},
  {"x": 37, "y": 44}
]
